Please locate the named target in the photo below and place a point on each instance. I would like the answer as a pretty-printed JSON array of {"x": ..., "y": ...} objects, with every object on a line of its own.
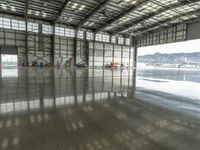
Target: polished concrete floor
[{"x": 95, "y": 109}]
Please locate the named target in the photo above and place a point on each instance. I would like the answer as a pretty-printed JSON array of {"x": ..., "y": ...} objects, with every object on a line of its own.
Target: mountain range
[{"x": 174, "y": 58}]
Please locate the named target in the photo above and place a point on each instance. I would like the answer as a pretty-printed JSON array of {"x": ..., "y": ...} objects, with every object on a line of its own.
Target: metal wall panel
[
  {"x": 98, "y": 54},
  {"x": 14, "y": 39},
  {"x": 11, "y": 50},
  {"x": 108, "y": 54},
  {"x": 102, "y": 54},
  {"x": 193, "y": 31},
  {"x": 166, "y": 35},
  {"x": 64, "y": 50},
  {"x": 125, "y": 55}
]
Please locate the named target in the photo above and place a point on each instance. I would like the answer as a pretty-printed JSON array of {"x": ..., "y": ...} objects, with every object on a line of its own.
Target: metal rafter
[
  {"x": 35, "y": 17},
  {"x": 172, "y": 6},
  {"x": 26, "y": 33},
  {"x": 145, "y": 29},
  {"x": 94, "y": 11},
  {"x": 61, "y": 11},
  {"x": 22, "y": 15},
  {"x": 123, "y": 14}
]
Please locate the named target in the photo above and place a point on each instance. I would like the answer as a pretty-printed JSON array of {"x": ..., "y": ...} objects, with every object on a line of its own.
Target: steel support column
[
  {"x": 122, "y": 53},
  {"x": 93, "y": 49},
  {"x": 135, "y": 53},
  {"x": 26, "y": 33},
  {"x": 113, "y": 53},
  {"x": 130, "y": 48},
  {"x": 53, "y": 46},
  {"x": 75, "y": 45},
  {"x": 104, "y": 54}
]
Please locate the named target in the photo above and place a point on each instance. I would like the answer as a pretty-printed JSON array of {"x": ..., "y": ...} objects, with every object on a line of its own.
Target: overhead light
[
  {"x": 75, "y": 5},
  {"x": 44, "y": 14},
  {"x": 109, "y": 27},
  {"x": 29, "y": 11},
  {"x": 69, "y": 3},
  {"x": 87, "y": 23},
  {"x": 91, "y": 24},
  {"x": 133, "y": 2},
  {"x": 70, "y": 20},
  {"x": 12, "y": 8},
  {"x": 82, "y": 7},
  {"x": 45, "y": 4},
  {"x": 37, "y": 13},
  {"x": 4, "y": 6},
  {"x": 7, "y": 6}
]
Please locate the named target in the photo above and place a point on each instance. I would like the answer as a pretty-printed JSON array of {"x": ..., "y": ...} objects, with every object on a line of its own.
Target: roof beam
[
  {"x": 146, "y": 29},
  {"x": 26, "y": 32},
  {"x": 94, "y": 11},
  {"x": 36, "y": 18},
  {"x": 186, "y": 22},
  {"x": 61, "y": 11},
  {"x": 172, "y": 6},
  {"x": 22, "y": 15},
  {"x": 123, "y": 14}
]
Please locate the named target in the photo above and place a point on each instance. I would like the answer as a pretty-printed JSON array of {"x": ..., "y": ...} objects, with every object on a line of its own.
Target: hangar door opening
[
  {"x": 9, "y": 62},
  {"x": 174, "y": 55}
]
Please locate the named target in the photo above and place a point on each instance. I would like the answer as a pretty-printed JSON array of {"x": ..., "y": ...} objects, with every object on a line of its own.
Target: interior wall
[
  {"x": 175, "y": 33},
  {"x": 44, "y": 48},
  {"x": 39, "y": 49},
  {"x": 14, "y": 38},
  {"x": 81, "y": 51},
  {"x": 35, "y": 53},
  {"x": 193, "y": 31},
  {"x": 103, "y": 54},
  {"x": 64, "y": 50}
]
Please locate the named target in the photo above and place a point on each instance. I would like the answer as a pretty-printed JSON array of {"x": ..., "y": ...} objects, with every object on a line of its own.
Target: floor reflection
[
  {"x": 37, "y": 89},
  {"x": 187, "y": 89},
  {"x": 9, "y": 65},
  {"x": 7, "y": 73},
  {"x": 93, "y": 109}
]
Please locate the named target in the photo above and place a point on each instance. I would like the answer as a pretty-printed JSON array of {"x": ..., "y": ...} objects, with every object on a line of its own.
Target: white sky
[
  {"x": 9, "y": 58},
  {"x": 180, "y": 47}
]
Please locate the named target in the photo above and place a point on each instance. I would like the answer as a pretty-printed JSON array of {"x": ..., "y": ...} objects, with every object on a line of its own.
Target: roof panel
[{"x": 117, "y": 16}]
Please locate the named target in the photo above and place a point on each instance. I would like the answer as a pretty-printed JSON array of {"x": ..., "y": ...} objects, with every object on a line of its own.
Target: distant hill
[{"x": 175, "y": 58}]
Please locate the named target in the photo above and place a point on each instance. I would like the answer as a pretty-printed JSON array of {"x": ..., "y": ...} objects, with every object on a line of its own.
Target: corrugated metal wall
[
  {"x": 39, "y": 52},
  {"x": 44, "y": 47},
  {"x": 64, "y": 49},
  {"x": 14, "y": 38},
  {"x": 102, "y": 54},
  {"x": 166, "y": 35}
]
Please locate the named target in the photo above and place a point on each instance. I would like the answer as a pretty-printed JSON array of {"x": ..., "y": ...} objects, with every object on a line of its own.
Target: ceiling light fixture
[
  {"x": 86, "y": 24},
  {"x": 12, "y": 8},
  {"x": 91, "y": 24},
  {"x": 70, "y": 20},
  {"x": 29, "y": 11},
  {"x": 4, "y": 6},
  {"x": 75, "y": 5},
  {"x": 44, "y": 14},
  {"x": 82, "y": 7},
  {"x": 37, "y": 13}
]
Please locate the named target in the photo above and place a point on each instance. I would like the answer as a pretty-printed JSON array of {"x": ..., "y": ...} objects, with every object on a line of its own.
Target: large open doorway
[
  {"x": 174, "y": 55},
  {"x": 9, "y": 61},
  {"x": 9, "y": 65}
]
